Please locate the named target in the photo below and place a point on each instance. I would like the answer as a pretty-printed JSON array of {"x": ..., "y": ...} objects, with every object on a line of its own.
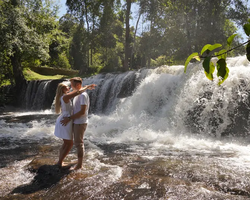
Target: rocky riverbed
[{"x": 113, "y": 170}]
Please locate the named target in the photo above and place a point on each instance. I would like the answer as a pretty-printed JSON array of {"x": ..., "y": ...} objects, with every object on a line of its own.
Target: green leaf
[
  {"x": 222, "y": 70},
  {"x": 206, "y": 47},
  {"x": 246, "y": 28},
  {"x": 230, "y": 39},
  {"x": 248, "y": 51},
  {"x": 208, "y": 68},
  {"x": 221, "y": 54},
  {"x": 193, "y": 55},
  {"x": 197, "y": 58},
  {"x": 214, "y": 46}
]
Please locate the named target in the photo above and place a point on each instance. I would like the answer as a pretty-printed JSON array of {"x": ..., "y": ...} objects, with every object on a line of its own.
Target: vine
[{"x": 221, "y": 64}]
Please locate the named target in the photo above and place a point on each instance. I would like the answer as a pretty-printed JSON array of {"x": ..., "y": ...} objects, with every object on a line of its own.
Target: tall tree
[
  {"x": 127, "y": 38},
  {"x": 78, "y": 49}
]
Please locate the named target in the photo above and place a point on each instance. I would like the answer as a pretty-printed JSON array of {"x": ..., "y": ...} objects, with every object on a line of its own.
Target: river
[{"x": 152, "y": 134}]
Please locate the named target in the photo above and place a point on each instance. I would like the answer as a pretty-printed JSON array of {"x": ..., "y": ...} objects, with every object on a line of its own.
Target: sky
[{"x": 63, "y": 8}]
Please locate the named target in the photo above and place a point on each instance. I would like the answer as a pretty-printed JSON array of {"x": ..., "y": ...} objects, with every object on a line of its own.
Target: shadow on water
[{"x": 46, "y": 177}]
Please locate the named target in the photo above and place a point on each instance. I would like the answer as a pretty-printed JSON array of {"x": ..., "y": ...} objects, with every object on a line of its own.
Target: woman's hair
[{"x": 59, "y": 93}]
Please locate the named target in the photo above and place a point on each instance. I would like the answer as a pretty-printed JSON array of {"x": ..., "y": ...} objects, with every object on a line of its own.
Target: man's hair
[{"x": 76, "y": 80}]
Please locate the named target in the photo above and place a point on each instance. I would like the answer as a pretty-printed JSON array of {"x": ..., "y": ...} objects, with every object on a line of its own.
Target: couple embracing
[{"x": 72, "y": 122}]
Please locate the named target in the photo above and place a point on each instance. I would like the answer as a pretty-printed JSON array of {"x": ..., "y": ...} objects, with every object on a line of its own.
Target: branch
[{"x": 227, "y": 50}]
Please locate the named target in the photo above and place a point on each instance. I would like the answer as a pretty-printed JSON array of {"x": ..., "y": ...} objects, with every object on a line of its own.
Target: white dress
[{"x": 64, "y": 132}]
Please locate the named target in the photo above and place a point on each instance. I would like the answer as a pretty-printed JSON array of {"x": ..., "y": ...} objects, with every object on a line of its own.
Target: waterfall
[
  {"x": 166, "y": 97},
  {"x": 39, "y": 95},
  {"x": 111, "y": 88}
]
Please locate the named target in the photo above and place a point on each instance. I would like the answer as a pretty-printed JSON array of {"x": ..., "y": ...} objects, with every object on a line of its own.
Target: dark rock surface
[{"x": 47, "y": 175}]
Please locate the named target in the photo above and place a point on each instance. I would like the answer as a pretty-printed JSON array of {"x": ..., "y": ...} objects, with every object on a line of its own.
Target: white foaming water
[
  {"x": 157, "y": 112},
  {"x": 13, "y": 176},
  {"x": 28, "y": 131}
]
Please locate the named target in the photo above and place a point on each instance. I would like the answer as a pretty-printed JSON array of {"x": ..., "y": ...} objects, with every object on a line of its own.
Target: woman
[{"x": 63, "y": 106}]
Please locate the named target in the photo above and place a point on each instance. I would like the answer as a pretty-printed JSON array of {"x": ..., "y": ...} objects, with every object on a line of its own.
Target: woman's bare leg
[{"x": 64, "y": 150}]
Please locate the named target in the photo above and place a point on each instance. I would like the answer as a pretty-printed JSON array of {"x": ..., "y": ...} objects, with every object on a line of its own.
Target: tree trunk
[
  {"x": 17, "y": 71},
  {"x": 132, "y": 49},
  {"x": 20, "y": 82},
  {"x": 92, "y": 39},
  {"x": 88, "y": 30},
  {"x": 127, "y": 42}
]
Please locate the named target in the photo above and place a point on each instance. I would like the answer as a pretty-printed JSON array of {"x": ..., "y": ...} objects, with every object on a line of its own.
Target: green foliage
[
  {"x": 96, "y": 66},
  {"x": 192, "y": 56},
  {"x": 248, "y": 51},
  {"x": 246, "y": 28},
  {"x": 230, "y": 39},
  {"x": 58, "y": 47},
  {"x": 222, "y": 70},
  {"x": 208, "y": 48},
  {"x": 208, "y": 68},
  {"x": 6, "y": 74},
  {"x": 78, "y": 49},
  {"x": 111, "y": 61},
  {"x": 221, "y": 64},
  {"x": 31, "y": 63},
  {"x": 67, "y": 24},
  {"x": 161, "y": 60},
  {"x": 94, "y": 36},
  {"x": 63, "y": 61},
  {"x": 25, "y": 30}
]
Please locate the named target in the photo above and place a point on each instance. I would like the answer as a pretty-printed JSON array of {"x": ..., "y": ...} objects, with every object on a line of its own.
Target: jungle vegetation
[{"x": 112, "y": 35}]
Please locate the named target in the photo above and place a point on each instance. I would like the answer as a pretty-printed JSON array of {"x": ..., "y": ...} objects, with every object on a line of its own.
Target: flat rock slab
[
  {"x": 27, "y": 118},
  {"x": 47, "y": 175}
]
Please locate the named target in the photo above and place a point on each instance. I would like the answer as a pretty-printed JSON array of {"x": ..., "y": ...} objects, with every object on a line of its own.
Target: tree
[
  {"x": 175, "y": 28},
  {"x": 67, "y": 24},
  {"x": 127, "y": 41},
  {"x": 78, "y": 49},
  {"x": 25, "y": 27}
]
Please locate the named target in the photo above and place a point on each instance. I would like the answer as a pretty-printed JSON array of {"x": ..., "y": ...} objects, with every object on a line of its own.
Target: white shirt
[{"x": 78, "y": 101}]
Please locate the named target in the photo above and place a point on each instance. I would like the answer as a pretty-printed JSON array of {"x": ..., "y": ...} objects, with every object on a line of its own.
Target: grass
[{"x": 30, "y": 75}]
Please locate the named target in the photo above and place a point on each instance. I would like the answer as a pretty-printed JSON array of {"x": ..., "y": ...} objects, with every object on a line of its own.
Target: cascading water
[
  {"x": 152, "y": 134},
  {"x": 39, "y": 95}
]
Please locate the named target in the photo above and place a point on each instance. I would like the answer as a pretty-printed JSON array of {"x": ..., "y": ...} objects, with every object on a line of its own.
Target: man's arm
[
  {"x": 70, "y": 95},
  {"x": 66, "y": 120}
]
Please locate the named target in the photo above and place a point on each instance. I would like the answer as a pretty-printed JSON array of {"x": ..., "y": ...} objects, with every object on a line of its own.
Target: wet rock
[
  {"x": 9, "y": 118},
  {"x": 47, "y": 175}
]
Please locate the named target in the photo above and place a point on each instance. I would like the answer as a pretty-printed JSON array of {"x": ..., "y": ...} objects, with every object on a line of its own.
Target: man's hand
[
  {"x": 92, "y": 86},
  {"x": 65, "y": 121}
]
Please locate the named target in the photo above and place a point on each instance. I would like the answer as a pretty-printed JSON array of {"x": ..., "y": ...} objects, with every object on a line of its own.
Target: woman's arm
[{"x": 72, "y": 94}]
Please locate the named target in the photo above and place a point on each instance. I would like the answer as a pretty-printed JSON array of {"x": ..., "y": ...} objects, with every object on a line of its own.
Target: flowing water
[{"x": 152, "y": 134}]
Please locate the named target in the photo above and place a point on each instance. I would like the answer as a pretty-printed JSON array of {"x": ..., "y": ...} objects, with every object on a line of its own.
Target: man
[{"x": 79, "y": 117}]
